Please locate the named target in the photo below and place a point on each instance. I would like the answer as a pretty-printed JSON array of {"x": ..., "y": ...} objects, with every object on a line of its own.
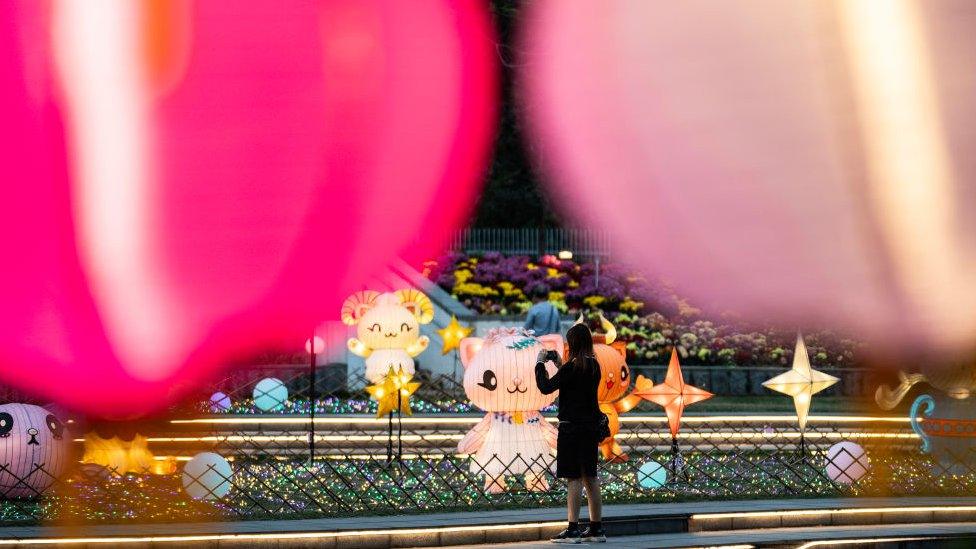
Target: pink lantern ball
[
  {"x": 800, "y": 162},
  {"x": 34, "y": 450},
  {"x": 847, "y": 462},
  {"x": 191, "y": 182}
]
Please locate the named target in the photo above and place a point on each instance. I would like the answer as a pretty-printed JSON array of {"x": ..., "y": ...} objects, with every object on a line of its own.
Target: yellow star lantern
[
  {"x": 395, "y": 389},
  {"x": 801, "y": 382},
  {"x": 452, "y": 334},
  {"x": 673, "y": 395}
]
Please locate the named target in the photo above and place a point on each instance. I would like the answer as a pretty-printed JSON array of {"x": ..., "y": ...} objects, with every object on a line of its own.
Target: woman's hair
[{"x": 580, "y": 346}]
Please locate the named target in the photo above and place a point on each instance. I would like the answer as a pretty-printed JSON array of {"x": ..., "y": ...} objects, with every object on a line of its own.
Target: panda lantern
[{"x": 34, "y": 449}]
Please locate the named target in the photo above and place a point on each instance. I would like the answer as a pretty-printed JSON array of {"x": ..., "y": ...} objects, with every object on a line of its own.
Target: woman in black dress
[{"x": 579, "y": 423}]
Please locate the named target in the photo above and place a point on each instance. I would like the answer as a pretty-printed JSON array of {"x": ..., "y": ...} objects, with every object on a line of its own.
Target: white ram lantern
[
  {"x": 33, "y": 450},
  {"x": 513, "y": 438},
  {"x": 387, "y": 329}
]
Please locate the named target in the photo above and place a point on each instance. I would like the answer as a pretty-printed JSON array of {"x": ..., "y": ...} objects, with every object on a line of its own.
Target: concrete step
[{"x": 902, "y": 536}]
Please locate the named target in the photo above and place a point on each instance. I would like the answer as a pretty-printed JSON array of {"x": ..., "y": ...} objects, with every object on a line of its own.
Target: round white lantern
[
  {"x": 207, "y": 476},
  {"x": 33, "y": 450},
  {"x": 270, "y": 394},
  {"x": 219, "y": 403},
  {"x": 847, "y": 462}
]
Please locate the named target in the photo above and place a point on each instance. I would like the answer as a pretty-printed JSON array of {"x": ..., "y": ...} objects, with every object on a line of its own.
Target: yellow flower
[
  {"x": 573, "y": 284},
  {"x": 630, "y": 305},
  {"x": 557, "y": 296},
  {"x": 552, "y": 273},
  {"x": 531, "y": 266},
  {"x": 594, "y": 300},
  {"x": 462, "y": 275},
  {"x": 473, "y": 288}
]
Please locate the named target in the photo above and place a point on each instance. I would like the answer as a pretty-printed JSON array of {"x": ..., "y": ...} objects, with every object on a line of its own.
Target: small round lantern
[
  {"x": 207, "y": 476},
  {"x": 847, "y": 462},
  {"x": 219, "y": 403},
  {"x": 651, "y": 475},
  {"x": 270, "y": 394}
]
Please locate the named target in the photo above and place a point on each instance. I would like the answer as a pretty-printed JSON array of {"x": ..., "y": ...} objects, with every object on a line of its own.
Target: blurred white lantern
[
  {"x": 314, "y": 345},
  {"x": 847, "y": 462},
  {"x": 207, "y": 476}
]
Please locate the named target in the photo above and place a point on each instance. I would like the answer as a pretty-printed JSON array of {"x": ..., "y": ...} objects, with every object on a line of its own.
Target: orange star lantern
[
  {"x": 393, "y": 392},
  {"x": 673, "y": 395}
]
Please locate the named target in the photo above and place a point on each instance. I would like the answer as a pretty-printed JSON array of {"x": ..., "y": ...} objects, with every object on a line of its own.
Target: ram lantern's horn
[
  {"x": 356, "y": 305},
  {"x": 417, "y": 303},
  {"x": 888, "y": 398},
  {"x": 608, "y": 329}
]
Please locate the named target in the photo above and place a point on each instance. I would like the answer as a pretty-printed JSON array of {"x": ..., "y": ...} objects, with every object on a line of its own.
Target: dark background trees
[{"x": 512, "y": 194}]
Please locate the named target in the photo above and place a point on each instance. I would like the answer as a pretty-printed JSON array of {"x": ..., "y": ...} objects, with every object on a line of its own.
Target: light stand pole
[{"x": 313, "y": 346}]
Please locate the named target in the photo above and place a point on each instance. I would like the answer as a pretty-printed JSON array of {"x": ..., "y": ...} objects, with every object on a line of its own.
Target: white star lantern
[{"x": 801, "y": 382}]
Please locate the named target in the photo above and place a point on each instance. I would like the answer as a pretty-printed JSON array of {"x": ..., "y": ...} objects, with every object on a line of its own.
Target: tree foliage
[{"x": 513, "y": 195}]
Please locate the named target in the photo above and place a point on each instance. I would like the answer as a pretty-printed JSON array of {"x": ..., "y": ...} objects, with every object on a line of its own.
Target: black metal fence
[
  {"x": 367, "y": 465},
  {"x": 585, "y": 243},
  {"x": 362, "y": 466}
]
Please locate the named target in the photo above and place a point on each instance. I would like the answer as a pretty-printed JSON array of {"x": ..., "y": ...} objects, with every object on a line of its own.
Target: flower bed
[{"x": 649, "y": 317}]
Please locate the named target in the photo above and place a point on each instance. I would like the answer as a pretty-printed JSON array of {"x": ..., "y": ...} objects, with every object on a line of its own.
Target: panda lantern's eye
[
  {"x": 6, "y": 424},
  {"x": 405, "y": 327},
  {"x": 624, "y": 373},
  {"x": 374, "y": 328},
  {"x": 55, "y": 425},
  {"x": 489, "y": 381}
]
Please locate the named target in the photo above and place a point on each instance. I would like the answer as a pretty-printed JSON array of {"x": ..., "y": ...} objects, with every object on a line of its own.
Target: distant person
[
  {"x": 543, "y": 316},
  {"x": 580, "y": 430}
]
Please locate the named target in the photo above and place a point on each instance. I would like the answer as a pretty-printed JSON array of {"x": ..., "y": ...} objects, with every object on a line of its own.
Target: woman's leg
[
  {"x": 573, "y": 498},
  {"x": 593, "y": 498}
]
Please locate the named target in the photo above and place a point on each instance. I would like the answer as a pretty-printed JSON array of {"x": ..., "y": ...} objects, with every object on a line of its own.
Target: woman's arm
[{"x": 546, "y": 384}]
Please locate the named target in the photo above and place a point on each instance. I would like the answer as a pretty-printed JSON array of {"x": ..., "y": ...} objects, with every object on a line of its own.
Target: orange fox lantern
[{"x": 614, "y": 384}]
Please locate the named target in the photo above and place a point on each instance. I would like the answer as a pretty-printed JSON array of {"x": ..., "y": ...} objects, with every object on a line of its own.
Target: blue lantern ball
[
  {"x": 270, "y": 394},
  {"x": 651, "y": 475},
  {"x": 219, "y": 403}
]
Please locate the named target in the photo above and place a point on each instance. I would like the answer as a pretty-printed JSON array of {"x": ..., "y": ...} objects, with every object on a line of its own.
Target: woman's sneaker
[
  {"x": 594, "y": 534},
  {"x": 569, "y": 535}
]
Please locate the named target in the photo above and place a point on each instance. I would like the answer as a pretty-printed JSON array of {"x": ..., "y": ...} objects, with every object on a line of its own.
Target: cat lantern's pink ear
[
  {"x": 552, "y": 342},
  {"x": 468, "y": 348}
]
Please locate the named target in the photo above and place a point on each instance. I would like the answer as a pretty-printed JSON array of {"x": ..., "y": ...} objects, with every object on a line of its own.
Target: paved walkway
[
  {"x": 796, "y": 537},
  {"x": 466, "y": 519}
]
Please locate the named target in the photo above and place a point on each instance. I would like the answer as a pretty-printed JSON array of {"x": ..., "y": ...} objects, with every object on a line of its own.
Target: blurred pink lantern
[
  {"x": 314, "y": 345},
  {"x": 188, "y": 180},
  {"x": 798, "y": 161}
]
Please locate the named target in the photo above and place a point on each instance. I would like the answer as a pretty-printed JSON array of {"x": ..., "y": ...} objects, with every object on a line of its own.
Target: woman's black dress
[{"x": 579, "y": 415}]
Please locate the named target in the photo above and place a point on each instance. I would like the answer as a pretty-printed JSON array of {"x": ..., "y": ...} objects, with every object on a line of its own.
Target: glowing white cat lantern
[
  {"x": 513, "y": 438},
  {"x": 388, "y": 329},
  {"x": 33, "y": 450}
]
